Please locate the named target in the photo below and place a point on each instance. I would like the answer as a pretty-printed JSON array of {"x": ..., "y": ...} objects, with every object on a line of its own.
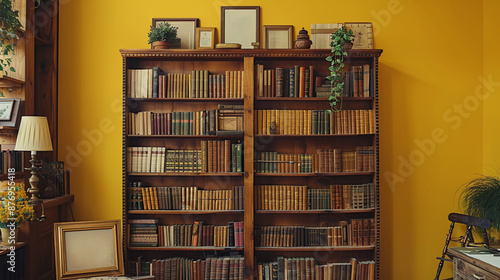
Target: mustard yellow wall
[
  {"x": 491, "y": 73},
  {"x": 431, "y": 121}
]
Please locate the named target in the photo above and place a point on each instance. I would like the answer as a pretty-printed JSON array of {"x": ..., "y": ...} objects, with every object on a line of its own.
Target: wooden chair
[{"x": 467, "y": 239}]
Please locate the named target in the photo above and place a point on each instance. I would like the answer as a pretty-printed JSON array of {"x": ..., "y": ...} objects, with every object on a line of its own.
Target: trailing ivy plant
[
  {"x": 9, "y": 24},
  {"x": 338, "y": 39}
]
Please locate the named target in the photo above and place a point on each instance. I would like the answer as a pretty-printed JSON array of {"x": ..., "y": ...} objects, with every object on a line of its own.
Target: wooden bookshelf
[{"x": 364, "y": 178}]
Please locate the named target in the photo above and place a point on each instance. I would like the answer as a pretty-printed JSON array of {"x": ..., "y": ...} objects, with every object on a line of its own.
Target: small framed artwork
[
  {"x": 186, "y": 31},
  {"x": 9, "y": 112},
  {"x": 363, "y": 34},
  {"x": 87, "y": 249},
  {"x": 6, "y": 106},
  {"x": 278, "y": 36},
  {"x": 240, "y": 24},
  {"x": 205, "y": 37}
]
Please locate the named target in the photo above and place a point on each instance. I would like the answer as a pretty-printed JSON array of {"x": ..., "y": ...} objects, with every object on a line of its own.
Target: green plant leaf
[{"x": 481, "y": 198}]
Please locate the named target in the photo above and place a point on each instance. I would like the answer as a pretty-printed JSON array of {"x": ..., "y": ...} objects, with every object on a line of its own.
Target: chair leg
[
  {"x": 485, "y": 237},
  {"x": 445, "y": 249}
]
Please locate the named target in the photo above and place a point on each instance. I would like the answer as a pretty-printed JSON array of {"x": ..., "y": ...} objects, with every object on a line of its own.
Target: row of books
[
  {"x": 147, "y": 233},
  {"x": 352, "y": 196},
  {"x": 221, "y": 156},
  {"x": 307, "y": 268},
  {"x": 214, "y": 156},
  {"x": 314, "y": 122},
  {"x": 211, "y": 268},
  {"x": 232, "y": 268},
  {"x": 175, "y": 123},
  {"x": 183, "y": 198},
  {"x": 334, "y": 160},
  {"x": 286, "y": 197},
  {"x": 359, "y": 232},
  {"x": 274, "y": 162},
  {"x": 358, "y": 82},
  {"x": 208, "y": 122},
  {"x": 200, "y": 234},
  {"x": 285, "y": 82},
  {"x": 143, "y": 232},
  {"x": 324, "y": 161},
  {"x": 153, "y": 83},
  {"x": 11, "y": 159}
]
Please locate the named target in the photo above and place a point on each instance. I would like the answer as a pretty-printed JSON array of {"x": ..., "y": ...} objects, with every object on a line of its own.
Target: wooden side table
[
  {"x": 475, "y": 263},
  {"x": 39, "y": 237}
]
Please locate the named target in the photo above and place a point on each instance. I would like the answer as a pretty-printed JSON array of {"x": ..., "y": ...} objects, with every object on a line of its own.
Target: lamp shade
[{"x": 33, "y": 135}]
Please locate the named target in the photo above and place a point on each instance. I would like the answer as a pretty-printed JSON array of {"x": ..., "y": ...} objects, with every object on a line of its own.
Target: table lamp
[{"x": 33, "y": 136}]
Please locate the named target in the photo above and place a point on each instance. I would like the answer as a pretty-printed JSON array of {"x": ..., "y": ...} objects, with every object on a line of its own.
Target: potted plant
[
  {"x": 14, "y": 209},
  {"x": 341, "y": 41},
  {"x": 161, "y": 35},
  {"x": 481, "y": 198}
]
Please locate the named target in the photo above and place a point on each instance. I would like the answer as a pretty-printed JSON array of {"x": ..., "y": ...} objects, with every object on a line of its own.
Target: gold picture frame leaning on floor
[{"x": 87, "y": 249}]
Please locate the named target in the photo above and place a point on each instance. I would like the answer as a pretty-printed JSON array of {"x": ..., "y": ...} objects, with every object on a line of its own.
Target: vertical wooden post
[{"x": 248, "y": 145}]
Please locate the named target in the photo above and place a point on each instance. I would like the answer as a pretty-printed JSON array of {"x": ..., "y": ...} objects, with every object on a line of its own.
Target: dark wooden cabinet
[
  {"x": 39, "y": 237},
  {"x": 256, "y": 144},
  {"x": 12, "y": 263}
]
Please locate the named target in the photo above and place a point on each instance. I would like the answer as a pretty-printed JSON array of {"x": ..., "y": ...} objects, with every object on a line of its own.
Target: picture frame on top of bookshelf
[
  {"x": 316, "y": 174},
  {"x": 184, "y": 151}
]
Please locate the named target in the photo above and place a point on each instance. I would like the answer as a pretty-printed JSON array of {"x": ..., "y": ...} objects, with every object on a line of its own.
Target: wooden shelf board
[
  {"x": 8, "y": 130},
  {"x": 326, "y": 211},
  {"x": 173, "y": 174},
  {"x": 315, "y": 174},
  {"x": 235, "y": 54},
  {"x": 185, "y": 99},
  {"x": 186, "y": 248},
  {"x": 312, "y": 99},
  {"x": 51, "y": 202},
  {"x": 312, "y": 135},
  {"x": 185, "y": 212},
  {"x": 315, "y": 249},
  {"x": 186, "y": 136},
  {"x": 8, "y": 82}
]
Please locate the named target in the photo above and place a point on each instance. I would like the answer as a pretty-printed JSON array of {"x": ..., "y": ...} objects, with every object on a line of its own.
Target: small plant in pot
[
  {"x": 341, "y": 41},
  {"x": 481, "y": 198},
  {"x": 161, "y": 35}
]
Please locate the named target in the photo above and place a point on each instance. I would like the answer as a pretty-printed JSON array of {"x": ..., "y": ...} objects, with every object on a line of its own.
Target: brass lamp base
[{"x": 33, "y": 180}]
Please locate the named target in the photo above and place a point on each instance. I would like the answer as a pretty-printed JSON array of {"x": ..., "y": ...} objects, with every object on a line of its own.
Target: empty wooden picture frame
[
  {"x": 278, "y": 36},
  {"x": 87, "y": 249},
  {"x": 205, "y": 37},
  {"x": 240, "y": 24},
  {"x": 186, "y": 31}
]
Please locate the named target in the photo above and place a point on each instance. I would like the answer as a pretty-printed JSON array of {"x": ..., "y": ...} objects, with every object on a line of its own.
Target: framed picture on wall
[
  {"x": 205, "y": 37},
  {"x": 278, "y": 36},
  {"x": 240, "y": 24},
  {"x": 9, "y": 112},
  {"x": 6, "y": 106},
  {"x": 186, "y": 31}
]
